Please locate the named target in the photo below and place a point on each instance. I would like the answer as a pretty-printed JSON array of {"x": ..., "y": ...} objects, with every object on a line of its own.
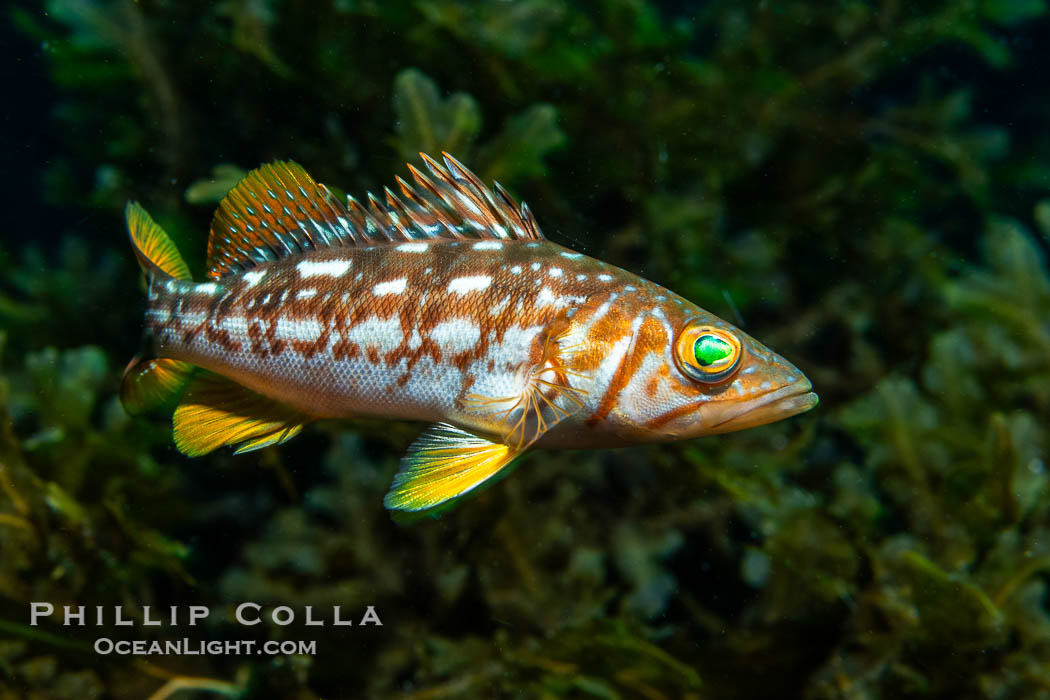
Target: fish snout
[{"x": 780, "y": 401}]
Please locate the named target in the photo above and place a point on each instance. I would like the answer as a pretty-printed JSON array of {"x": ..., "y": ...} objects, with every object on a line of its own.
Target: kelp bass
[{"x": 444, "y": 303}]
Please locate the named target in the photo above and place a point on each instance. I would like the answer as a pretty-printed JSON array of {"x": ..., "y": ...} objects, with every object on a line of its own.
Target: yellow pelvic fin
[
  {"x": 152, "y": 383},
  {"x": 442, "y": 464},
  {"x": 154, "y": 250},
  {"x": 216, "y": 411}
]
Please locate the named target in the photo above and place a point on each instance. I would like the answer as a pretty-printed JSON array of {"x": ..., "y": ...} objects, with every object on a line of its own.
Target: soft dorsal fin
[
  {"x": 278, "y": 210},
  {"x": 275, "y": 211}
]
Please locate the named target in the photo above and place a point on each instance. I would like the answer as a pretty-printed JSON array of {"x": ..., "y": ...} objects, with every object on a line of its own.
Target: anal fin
[
  {"x": 445, "y": 463},
  {"x": 216, "y": 411}
]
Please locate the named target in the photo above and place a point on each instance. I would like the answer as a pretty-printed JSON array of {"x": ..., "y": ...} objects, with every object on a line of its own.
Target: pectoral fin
[
  {"x": 547, "y": 395},
  {"x": 216, "y": 411},
  {"x": 445, "y": 463}
]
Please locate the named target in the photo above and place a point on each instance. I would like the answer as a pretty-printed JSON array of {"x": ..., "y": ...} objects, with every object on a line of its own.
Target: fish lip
[{"x": 789, "y": 400}]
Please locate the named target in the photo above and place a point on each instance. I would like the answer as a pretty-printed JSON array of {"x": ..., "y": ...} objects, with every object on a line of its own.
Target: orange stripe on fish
[{"x": 441, "y": 302}]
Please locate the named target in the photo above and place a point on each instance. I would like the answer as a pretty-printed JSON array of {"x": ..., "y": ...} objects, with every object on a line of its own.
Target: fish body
[{"x": 446, "y": 306}]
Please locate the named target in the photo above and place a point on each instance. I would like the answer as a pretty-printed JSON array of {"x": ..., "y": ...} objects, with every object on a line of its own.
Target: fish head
[{"x": 686, "y": 373}]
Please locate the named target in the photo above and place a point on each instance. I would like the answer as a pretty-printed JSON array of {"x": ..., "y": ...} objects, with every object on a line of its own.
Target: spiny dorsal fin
[
  {"x": 215, "y": 411},
  {"x": 278, "y": 210},
  {"x": 450, "y": 203}
]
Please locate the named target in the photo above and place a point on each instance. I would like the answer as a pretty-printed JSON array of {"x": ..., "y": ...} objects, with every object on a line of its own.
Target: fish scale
[
  {"x": 410, "y": 334},
  {"x": 445, "y": 305}
]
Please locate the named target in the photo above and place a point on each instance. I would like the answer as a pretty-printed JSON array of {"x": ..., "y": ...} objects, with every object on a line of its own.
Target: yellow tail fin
[
  {"x": 155, "y": 251},
  {"x": 153, "y": 382}
]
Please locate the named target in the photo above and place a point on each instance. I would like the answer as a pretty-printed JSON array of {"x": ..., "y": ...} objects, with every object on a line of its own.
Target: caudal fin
[
  {"x": 156, "y": 253},
  {"x": 150, "y": 383}
]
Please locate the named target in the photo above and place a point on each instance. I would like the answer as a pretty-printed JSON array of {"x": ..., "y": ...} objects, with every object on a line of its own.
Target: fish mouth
[{"x": 787, "y": 401}]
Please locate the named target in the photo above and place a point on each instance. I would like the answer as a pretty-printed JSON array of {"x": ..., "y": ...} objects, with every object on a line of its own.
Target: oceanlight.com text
[{"x": 197, "y": 647}]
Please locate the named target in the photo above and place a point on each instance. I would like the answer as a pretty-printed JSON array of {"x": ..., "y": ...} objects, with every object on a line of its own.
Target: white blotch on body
[
  {"x": 487, "y": 245},
  {"x": 504, "y": 378},
  {"x": 391, "y": 287},
  {"x": 298, "y": 328},
  {"x": 413, "y": 247},
  {"x": 384, "y": 334},
  {"x": 611, "y": 359},
  {"x": 235, "y": 325},
  {"x": 634, "y": 401},
  {"x": 473, "y": 283},
  {"x": 306, "y": 294},
  {"x": 517, "y": 342},
  {"x": 456, "y": 335},
  {"x": 330, "y": 268},
  {"x": 192, "y": 319},
  {"x": 546, "y": 298},
  {"x": 208, "y": 288},
  {"x": 252, "y": 278}
]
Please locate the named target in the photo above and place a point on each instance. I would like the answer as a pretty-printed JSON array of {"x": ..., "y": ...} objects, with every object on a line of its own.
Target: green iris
[{"x": 710, "y": 350}]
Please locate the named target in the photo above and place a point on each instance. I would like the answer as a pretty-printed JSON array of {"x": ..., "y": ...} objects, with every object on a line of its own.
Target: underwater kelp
[{"x": 858, "y": 183}]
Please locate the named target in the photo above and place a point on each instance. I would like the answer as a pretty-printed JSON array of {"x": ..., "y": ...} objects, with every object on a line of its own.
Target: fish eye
[{"x": 707, "y": 354}]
